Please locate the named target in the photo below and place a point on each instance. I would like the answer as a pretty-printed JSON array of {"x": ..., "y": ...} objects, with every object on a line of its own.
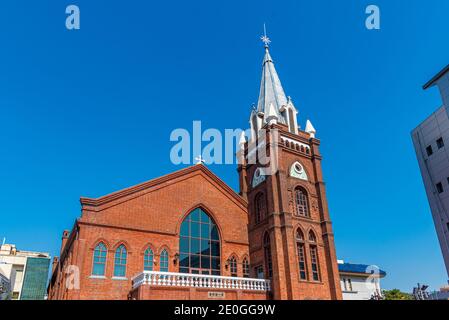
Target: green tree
[{"x": 396, "y": 294}]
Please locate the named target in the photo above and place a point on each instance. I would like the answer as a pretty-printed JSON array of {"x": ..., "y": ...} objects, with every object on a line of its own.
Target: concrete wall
[
  {"x": 435, "y": 169},
  {"x": 361, "y": 288}
]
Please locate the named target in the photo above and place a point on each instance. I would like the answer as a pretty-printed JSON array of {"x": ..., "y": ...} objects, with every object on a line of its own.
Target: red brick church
[{"x": 188, "y": 235}]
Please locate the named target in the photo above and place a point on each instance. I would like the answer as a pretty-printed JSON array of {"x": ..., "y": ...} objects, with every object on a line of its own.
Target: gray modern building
[{"x": 431, "y": 141}]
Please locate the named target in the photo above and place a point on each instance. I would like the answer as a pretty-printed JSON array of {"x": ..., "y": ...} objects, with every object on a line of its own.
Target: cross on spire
[
  {"x": 200, "y": 160},
  {"x": 265, "y": 38}
]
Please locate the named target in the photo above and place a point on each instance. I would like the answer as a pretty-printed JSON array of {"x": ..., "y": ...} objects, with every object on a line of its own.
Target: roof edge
[
  {"x": 432, "y": 81},
  {"x": 153, "y": 182}
]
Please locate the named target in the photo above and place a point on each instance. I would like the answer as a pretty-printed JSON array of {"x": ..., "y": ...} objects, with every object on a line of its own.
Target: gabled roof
[
  {"x": 359, "y": 269},
  {"x": 436, "y": 78},
  {"x": 158, "y": 181}
]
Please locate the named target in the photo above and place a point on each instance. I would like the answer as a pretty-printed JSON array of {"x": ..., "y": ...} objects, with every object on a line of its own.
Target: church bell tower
[{"x": 290, "y": 232}]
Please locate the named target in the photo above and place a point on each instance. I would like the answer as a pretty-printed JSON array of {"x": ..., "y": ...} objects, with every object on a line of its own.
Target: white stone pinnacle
[{"x": 310, "y": 129}]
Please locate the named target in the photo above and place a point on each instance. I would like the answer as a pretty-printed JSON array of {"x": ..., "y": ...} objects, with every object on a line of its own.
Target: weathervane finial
[{"x": 264, "y": 38}]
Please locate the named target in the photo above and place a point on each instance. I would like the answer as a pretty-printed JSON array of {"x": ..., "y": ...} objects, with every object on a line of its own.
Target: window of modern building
[
  {"x": 99, "y": 264},
  {"x": 267, "y": 253},
  {"x": 120, "y": 261},
  {"x": 148, "y": 260},
  {"x": 233, "y": 266},
  {"x": 439, "y": 186},
  {"x": 245, "y": 268},
  {"x": 349, "y": 285},
  {"x": 35, "y": 279},
  {"x": 440, "y": 143},
  {"x": 429, "y": 150},
  {"x": 302, "y": 203},
  {"x": 260, "y": 207},
  {"x": 199, "y": 244},
  {"x": 163, "y": 266},
  {"x": 301, "y": 251}
]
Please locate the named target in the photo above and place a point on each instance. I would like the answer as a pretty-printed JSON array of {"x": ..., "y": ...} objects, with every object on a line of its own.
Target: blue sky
[{"x": 88, "y": 112}]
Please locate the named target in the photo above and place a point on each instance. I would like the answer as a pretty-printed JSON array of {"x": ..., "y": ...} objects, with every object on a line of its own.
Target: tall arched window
[
  {"x": 260, "y": 205},
  {"x": 301, "y": 251},
  {"x": 100, "y": 253},
  {"x": 148, "y": 260},
  {"x": 163, "y": 266},
  {"x": 302, "y": 203},
  {"x": 120, "y": 261},
  {"x": 267, "y": 253},
  {"x": 245, "y": 268},
  {"x": 199, "y": 244},
  {"x": 314, "y": 256},
  {"x": 233, "y": 266}
]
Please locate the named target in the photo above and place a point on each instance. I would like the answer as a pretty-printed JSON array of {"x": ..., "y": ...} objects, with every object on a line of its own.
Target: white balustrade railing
[{"x": 172, "y": 279}]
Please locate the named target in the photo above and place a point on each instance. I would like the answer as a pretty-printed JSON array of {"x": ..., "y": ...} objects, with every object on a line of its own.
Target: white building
[
  {"x": 429, "y": 139},
  {"x": 360, "y": 281},
  {"x": 26, "y": 271},
  {"x": 5, "y": 287}
]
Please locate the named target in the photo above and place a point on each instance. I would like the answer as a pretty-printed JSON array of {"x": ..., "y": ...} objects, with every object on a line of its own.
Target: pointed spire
[
  {"x": 310, "y": 129},
  {"x": 271, "y": 91}
]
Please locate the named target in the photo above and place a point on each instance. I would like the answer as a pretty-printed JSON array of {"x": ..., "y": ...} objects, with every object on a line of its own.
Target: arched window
[
  {"x": 260, "y": 206},
  {"x": 245, "y": 268},
  {"x": 148, "y": 260},
  {"x": 233, "y": 267},
  {"x": 302, "y": 203},
  {"x": 312, "y": 237},
  {"x": 99, "y": 264},
  {"x": 314, "y": 256},
  {"x": 120, "y": 261},
  {"x": 199, "y": 244},
  {"x": 164, "y": 261},
  {"x": 267, "y": 253},
  {"x": 301, "y": 251}
]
